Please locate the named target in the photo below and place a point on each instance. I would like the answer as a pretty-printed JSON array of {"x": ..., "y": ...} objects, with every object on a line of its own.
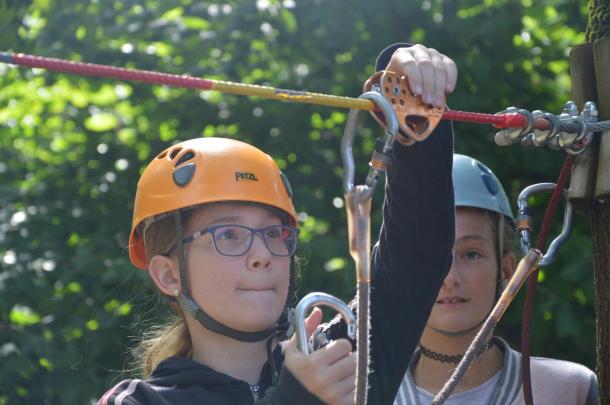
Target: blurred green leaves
[{"x": 72, "y": 148}]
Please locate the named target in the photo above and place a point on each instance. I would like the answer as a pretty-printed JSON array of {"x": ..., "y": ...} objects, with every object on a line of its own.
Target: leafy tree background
[{"x": 72, "y": 148}]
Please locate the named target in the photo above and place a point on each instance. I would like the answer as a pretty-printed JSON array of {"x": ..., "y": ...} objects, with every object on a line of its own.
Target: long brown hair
[{"x": 172, "y": 338}]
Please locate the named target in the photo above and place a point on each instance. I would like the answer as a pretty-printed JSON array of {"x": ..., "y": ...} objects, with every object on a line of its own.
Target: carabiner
[
  {"x": 379, "y": 159},
  {"x": 524, "y": 222},
  {"x": 314, "y": 299}
]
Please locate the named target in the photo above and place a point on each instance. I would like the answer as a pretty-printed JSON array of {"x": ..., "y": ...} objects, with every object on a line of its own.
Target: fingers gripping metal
[{"x": 313, "y": 300}]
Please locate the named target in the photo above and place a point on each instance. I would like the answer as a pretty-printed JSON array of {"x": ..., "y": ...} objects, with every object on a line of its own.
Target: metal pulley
[{"x": 416, "y": 119}]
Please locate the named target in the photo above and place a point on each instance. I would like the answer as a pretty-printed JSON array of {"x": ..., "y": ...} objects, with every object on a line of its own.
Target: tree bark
[
  {"x": 598, "y": 31},
  {"x": 598, "y": 25}
]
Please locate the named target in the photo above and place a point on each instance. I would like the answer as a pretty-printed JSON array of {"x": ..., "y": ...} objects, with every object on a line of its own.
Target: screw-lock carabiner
[{"x": 524, "y": 222}]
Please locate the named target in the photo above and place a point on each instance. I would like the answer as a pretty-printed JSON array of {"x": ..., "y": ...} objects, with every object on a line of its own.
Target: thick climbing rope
[{"x": 532, "y": 281}]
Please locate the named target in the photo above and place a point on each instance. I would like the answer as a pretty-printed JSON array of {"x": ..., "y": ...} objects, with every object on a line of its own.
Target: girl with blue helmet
[{"x": 483, "y": 261}]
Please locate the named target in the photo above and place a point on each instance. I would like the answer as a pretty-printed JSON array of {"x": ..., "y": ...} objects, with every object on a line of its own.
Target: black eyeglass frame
[{"x": 253, "y": 232}]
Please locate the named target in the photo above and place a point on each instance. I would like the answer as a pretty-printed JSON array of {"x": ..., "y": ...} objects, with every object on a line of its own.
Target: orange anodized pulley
[{"x": 416, "y": 119}]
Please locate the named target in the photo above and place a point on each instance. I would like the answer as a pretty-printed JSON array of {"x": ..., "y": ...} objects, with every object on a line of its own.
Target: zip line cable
[{"x": 90, "y": 69}]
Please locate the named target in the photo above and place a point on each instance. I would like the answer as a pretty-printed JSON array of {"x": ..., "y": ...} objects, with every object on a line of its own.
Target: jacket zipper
[{"x": 256, "y": 391}]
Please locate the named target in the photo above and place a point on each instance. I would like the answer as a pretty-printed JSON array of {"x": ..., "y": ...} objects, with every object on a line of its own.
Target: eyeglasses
[{"x": 236, "y": 240}]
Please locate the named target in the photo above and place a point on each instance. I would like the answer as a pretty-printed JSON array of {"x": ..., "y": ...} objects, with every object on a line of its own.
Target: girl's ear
[
  {"x": 164, "y": 272},
  {"x": 509, "y": 265}
]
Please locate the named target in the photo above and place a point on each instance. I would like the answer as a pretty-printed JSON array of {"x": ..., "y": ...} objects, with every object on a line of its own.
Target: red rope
[
  {"x": 500, "y": 120},
  {"x": 90, "y": 69},
  {"x": 532, "y": 281},
  {"x": 511, "y": 120}
]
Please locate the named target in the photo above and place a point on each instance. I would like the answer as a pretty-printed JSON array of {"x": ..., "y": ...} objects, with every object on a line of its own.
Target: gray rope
[
  {"x": 591, "y": 126},
  {"x": 362, "y": 343},
  {"x": 599, "y": 126}
]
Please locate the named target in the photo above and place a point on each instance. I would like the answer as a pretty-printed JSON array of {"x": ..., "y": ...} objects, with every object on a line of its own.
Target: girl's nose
[
  {"x": 259, "y": 256},
  {"x": 453, "y": 277}
]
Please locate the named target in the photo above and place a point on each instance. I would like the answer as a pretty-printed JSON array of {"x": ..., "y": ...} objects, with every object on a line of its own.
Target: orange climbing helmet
[{"x": 205, "y": 170}]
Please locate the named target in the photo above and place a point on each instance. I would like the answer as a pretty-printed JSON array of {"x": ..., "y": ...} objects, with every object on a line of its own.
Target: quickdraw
[{"x": 358, "y": 205}]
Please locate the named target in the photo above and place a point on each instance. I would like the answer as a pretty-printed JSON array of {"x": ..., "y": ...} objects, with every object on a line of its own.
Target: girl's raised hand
[
  {"x": 431, "y": 74},
  {"x": 330, "y": 372}
]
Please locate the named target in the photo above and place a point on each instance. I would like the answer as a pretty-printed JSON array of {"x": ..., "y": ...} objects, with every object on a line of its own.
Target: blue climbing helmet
[{"x": 475, "y": 185}]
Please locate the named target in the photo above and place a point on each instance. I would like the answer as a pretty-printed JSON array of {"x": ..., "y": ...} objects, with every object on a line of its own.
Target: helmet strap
[
  {"x": 184, "y": 280},
  {"x": 189, "y": 306},
  {"x": 500, "y": 254}
]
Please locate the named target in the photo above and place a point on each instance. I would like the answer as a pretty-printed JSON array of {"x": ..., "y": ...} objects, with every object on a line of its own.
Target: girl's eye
[
  {"x": 226, "y": 234},
  {"x": 472, "y": 255},
  {"x": 273, "y": 233}
]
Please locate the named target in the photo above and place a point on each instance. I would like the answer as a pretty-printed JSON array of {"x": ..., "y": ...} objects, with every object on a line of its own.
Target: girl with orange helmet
[{"x": 215, "y": 227}]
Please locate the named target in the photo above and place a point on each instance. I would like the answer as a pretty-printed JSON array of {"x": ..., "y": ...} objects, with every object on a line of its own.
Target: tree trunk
[
  {"x": 598, "y": 25},
  {"x": 598, "y": 32}
]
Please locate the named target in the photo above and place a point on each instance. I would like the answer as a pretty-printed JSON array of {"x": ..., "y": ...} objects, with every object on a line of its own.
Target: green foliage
[{"x": 72, "y": 148}]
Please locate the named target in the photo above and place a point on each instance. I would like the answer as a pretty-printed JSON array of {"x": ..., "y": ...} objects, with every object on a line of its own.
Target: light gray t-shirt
[
  {"x": 477, "y": 395},
  {"x": 553, "y": 382}
]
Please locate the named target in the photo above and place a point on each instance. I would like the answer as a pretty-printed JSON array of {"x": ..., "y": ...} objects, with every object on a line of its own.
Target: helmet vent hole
[
  {"x": 183, "y": 175},
  {"x": 185, "y": 157},
  {"x": 174, "y": 153},
  {"x": 483, "y": 168},
  {"x": 490, "y": 184},
  {"x": 162, "y": 154}
]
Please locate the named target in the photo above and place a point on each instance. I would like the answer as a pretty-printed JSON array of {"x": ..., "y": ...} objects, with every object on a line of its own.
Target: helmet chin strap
[
  {"x": 188, "y": 304},
  {"x": 500, "y": 255}
]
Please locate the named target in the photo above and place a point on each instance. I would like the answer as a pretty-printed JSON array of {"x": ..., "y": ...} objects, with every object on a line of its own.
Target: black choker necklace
[{"x": 456, "y": 358}]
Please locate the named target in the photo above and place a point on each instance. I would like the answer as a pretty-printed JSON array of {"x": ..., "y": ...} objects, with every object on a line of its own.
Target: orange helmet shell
[{"x": 201, "y": 171}]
